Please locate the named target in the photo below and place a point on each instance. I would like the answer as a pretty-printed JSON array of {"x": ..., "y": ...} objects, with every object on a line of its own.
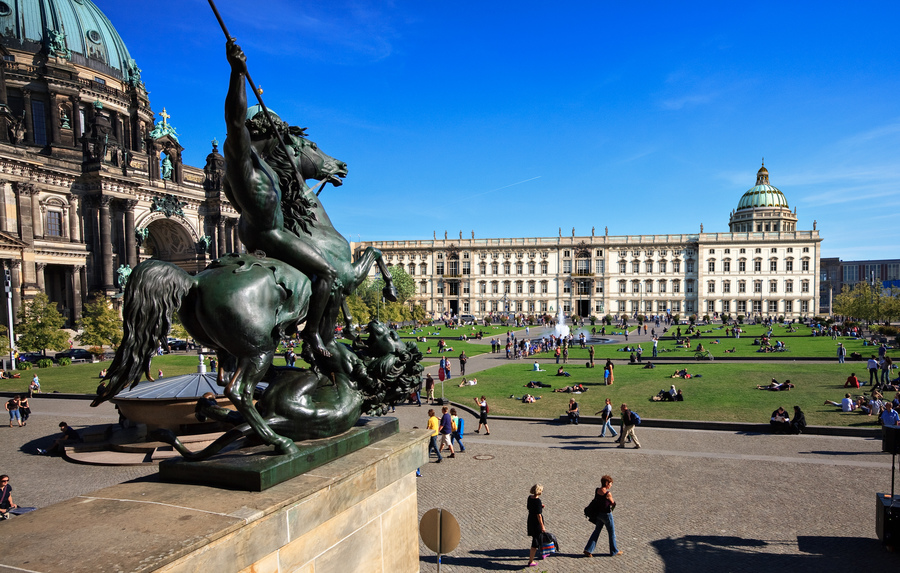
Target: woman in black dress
[{"x": 535, "y": 520}]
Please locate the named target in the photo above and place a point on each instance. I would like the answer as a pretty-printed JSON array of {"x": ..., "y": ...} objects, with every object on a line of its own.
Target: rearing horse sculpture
[{"x": 242, "y": 305}]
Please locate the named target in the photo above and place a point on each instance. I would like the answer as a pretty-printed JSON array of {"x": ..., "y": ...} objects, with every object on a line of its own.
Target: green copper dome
[
  {"x": 763, "y": 194},
  {"x": 72, "y": 29}
]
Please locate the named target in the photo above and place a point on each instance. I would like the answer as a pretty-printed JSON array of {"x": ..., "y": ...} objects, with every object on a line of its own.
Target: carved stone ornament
[
  {"x": 168, "y": 205},
  {"x": 140, "y": 235}
]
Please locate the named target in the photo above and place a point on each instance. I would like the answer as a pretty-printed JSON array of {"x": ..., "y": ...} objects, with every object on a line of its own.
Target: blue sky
[{"x": 517, "y": 118}]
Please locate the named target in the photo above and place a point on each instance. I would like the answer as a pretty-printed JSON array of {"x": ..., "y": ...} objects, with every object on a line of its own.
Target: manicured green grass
[
  {"x": 84, "y": 378},
  {"x": 725, "y": 392}
]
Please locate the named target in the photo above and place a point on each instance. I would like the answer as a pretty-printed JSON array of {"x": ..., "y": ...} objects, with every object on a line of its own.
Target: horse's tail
[
  {"x": 217, "y": 446},
  {"x": 154, "y": 291}
]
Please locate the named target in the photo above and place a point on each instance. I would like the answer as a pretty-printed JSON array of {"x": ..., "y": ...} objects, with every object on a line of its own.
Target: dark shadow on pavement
[
  {"x": 725, "y": 554},
  {"x": 491, "y": 560}
]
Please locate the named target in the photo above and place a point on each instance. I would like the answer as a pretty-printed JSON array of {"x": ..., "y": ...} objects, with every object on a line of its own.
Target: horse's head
[{"x": 315, "y": 163}]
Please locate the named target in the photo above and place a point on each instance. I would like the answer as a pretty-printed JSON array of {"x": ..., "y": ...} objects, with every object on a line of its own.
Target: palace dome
[
  {"x": 762, "y": 194},
  {"x": 75, "y": 30}
]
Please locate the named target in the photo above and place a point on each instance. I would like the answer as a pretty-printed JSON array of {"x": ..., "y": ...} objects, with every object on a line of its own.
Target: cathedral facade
[
  {"x": 762, "y": 266},
  {"x": 90, "y": 182}
]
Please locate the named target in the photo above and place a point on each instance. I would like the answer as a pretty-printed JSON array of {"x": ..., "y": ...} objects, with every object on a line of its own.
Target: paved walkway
[{"x": 687, "y": 501}]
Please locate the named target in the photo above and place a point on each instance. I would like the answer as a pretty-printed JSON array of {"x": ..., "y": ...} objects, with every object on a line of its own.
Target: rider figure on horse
[{"x": 258, "y": 174}]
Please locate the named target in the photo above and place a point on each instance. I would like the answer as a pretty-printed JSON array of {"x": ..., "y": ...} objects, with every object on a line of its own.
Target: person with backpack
[
  {"x": 459, "y": 425},
  {"x": 629, "y": 421},
  {"x": 599, "y": 512}
]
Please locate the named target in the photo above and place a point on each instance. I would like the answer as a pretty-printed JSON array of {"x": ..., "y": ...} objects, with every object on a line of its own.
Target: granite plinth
[{"x": 259, "y": 468}]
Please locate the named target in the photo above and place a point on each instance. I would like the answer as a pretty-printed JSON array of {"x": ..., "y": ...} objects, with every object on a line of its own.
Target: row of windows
[
  {"x": 741, "y": 306},
  {"x": 663, "y": 266},
  {"x": 662, "y": 286}
]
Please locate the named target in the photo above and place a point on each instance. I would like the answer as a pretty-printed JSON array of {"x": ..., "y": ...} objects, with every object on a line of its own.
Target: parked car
[
  {"x": 32, "y": 357},
  {"x": 176, "y": 344},
  {"x": 75, "y": 354}
]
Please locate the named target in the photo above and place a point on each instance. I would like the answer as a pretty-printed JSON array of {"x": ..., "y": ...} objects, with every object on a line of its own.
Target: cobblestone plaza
[{"x": 688, "y": 500}]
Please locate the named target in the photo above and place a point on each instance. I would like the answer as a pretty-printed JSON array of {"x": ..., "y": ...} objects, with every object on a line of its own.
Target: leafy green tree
[
  {"x": 418, "y": 313},
  {"x": 100, "y": 324},
  {"x": 40, "y": 326},
  {"x": 358, "y": 310},
  {"x": 405, "y": 284}
]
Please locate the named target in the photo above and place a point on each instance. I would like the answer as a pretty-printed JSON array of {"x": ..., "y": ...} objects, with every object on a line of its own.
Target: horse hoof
[
  {"x": 390, "y": 293},
  {"x": 287, "y": 447}
]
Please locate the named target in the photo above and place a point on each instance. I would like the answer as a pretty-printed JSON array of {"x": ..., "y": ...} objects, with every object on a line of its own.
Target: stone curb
[{"x": 742, "y": 427}]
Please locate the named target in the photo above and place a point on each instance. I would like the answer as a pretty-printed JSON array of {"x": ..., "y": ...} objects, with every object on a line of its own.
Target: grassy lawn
[
  {"x": 83, "y": 378},
  {"x": 725, "y": 392}
]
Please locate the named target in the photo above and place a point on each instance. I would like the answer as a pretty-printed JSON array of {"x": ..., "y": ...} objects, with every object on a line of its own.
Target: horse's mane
[
  {"x": 391, "y": 377},
  {"x": 296, "y": 205}
]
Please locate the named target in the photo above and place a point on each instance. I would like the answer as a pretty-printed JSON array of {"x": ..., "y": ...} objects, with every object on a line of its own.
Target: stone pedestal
[{"x": 357, "y": 513}]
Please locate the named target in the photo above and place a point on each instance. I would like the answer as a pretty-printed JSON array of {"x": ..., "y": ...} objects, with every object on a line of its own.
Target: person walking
[
  {"x": 629, "y": 421},
  {"x": 462, "y": 363},
  {"x": 841, "y": 352},
  {"x": 24, "y": 409},
  {"x": 434, "y": 426},
  {"x": 12, "y": 406},
  {"x": 606, "y": 419},
  {"x": 600, "y": 513},
  {"x": 429, "y": 388},
  {"x": 482, "y": 421},
  {"x": 655, "y": 344},
  {"x": 458, "y": 423},
  {"x": 591, "y": 353},
  {"x": 445, "y": 430},
  {"x": 535, "y": 523}
]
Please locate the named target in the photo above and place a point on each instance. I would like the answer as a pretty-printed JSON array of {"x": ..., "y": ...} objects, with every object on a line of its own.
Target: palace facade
[{"x": 763, "y": 265}]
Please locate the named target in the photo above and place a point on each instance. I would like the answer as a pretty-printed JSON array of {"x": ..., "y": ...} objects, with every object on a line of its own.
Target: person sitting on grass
[
  {"x": 562, "y": 372},
  {"x": 465, "y": 382},
  {"x": 649, "y": 365},
  {"x": 570, "y": 389},
  {"x": 537, "y": 367},
  {"x": 700, "y": 347},
  {"x": 846, "y": 405},
  {"x": 852, "y": 381}
]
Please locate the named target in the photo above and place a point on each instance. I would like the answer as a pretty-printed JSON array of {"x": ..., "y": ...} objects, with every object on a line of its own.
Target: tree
[
  {"x": 358, "y": 310},
  {"x": 100, "y": 324},
  {"x": 418, "y": 313},
  {"x": 405, "y": 284},
  {"x": 40, "y": 326}
]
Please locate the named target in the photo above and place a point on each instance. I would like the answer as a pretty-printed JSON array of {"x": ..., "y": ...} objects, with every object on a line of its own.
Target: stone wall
[{"x": 355, "y": 514}]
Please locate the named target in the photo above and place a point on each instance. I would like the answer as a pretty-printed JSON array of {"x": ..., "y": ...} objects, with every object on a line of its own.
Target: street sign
[{"x": 440, "y": 532}]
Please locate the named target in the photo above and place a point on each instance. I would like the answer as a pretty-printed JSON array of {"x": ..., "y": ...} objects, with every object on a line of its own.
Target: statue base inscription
[{"x": 259, "y": 468}]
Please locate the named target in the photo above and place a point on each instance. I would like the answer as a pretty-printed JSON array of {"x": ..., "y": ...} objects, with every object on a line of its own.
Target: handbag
[{"x": 548, "y": 544}]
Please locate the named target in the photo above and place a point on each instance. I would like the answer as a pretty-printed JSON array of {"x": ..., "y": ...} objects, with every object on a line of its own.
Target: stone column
[
  {"x": 24, "y": 192},
  {"x": 130, "y": 243},
  {"x": 74, "y": 227},
  {"x": 220, "y": 235},
  {"x": 29, "y": 119},
  {"x": 75, "y": 290},
  {"x": 229, "y": 236},
  {"x": 89, "y": 230},
  {"x": 39, "y": 272},
  {"x": 106, "y": 243},
  {"x": 15, "y": 268},
  {"x": 3, "y": 183},
  {"x": 37, "y": 214},
  {"x": 236, "y": 239},
  {"x": 55, "y": 135},
  {"x": 76, "y": 118}
]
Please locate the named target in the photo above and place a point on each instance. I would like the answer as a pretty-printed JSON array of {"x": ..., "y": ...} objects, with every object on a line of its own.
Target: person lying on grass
[{"x": 776, "y": 387}]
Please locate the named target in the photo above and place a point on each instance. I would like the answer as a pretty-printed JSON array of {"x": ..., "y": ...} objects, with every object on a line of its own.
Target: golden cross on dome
[{"x": 165, "y": 116}]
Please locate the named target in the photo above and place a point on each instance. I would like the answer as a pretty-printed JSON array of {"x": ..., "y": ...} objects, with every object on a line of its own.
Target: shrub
[
  {"x": 44, "y": 363},
  {"x": 741, "y": 318},
  {"x": 676, "y": 318},
  {"x": 705, "y": 318},
  {"x": 95, "y": 350},
  {"x": 693, "y": 318},
  {"x": 725, "y": 317},
  {"x": 608, "y": 320},
  {"x": 64, "y": 361},
  {"x": 888, "y": 330},
  {"x": 24, "y": 365}
]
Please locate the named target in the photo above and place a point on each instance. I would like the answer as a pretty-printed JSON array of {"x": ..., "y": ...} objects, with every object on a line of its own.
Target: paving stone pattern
[{"x": 688, "y": 500}]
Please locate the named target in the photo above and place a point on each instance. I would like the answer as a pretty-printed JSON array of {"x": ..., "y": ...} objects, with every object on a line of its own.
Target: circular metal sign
[
  {"x": 482, "y": 457},
  {"x": 439, "y": 530}
]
